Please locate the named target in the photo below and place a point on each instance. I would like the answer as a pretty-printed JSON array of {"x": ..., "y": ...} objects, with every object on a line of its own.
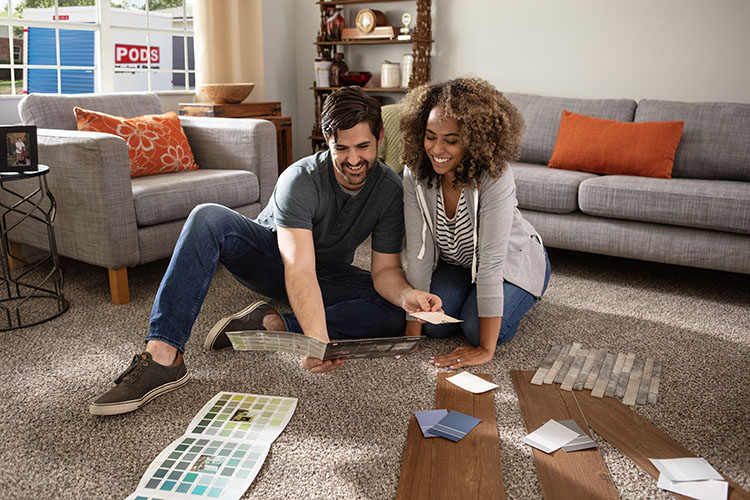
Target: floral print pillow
[{"x": 156, "y": 143}]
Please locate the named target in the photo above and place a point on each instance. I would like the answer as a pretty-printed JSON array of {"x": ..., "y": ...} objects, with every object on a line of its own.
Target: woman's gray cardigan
[{"x": 506, "y": 246}]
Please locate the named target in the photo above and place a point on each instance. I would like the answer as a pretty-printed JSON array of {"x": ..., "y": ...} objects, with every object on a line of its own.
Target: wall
[
  {"x": 279, "y": 55},
  {"x": 9, "y": 110},
  {"x": 689, "y": 50}
]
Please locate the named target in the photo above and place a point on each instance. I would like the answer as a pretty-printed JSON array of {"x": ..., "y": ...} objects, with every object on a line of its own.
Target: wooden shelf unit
[
  {"x": 421, "y": 45},
  {"x": 366, "y": 89},
  {"x": 379, "y": 41}
]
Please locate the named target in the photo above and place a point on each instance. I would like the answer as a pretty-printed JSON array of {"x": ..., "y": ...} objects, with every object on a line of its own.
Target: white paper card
[
  {"x": 701, "y": 490},
  {"x": 471, "y": 383},
  {"x": 686, "y": 469},
  {"x": 550, "y": 436},
  {"x": 436, "y": 318}
]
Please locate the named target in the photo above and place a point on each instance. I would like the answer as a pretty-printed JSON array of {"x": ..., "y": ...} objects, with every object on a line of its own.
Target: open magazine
[{"x": 295, "y": 343}]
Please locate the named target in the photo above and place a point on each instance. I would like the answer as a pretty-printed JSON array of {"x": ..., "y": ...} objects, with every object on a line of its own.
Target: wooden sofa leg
[
  {"x": 15, "y": 249},
  {"x": 118, "y": 286}
]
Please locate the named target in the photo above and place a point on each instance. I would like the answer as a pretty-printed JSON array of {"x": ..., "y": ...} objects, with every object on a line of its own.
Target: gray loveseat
[
  {"x": 699, "y": 218},
  {"x": 106, "y": 218}
]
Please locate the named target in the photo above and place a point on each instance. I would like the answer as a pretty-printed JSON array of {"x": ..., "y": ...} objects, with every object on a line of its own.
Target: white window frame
[{"x": 104, "y": 60}]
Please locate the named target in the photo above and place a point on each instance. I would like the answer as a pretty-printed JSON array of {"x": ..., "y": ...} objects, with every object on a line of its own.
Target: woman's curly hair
[{"x": 490, "y": 127}]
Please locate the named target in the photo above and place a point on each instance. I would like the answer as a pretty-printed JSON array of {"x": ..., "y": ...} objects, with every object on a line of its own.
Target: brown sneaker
[
  {"x": 250, "y": 318},
  {"x": 144, "y": 380}
]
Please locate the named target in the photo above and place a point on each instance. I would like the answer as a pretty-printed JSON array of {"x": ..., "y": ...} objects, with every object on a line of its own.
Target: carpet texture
[{"x": 347, "y": 436}]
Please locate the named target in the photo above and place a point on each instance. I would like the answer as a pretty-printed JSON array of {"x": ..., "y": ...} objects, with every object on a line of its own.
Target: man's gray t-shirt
[{"x": 307, "y": 196}]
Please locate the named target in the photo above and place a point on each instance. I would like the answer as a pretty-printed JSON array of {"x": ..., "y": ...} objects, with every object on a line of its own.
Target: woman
[{"x": 465, "y": 239}]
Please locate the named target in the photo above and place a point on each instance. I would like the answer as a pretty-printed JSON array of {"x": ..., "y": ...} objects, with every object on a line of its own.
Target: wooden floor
[
  {"x": 635, "y": 437},
  {"x": 579, "y": 475},
  {"x": 436, "y": 468}
]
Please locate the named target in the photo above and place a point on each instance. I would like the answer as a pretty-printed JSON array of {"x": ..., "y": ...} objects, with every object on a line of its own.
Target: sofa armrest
[
  {"x": 235, "y": 143},
  {"x": 90, "y": 179}
]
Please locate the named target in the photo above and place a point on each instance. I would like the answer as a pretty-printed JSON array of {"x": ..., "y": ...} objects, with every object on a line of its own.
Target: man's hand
[
  {"x": 463, "y": 356},
  {"x": 414, "y": 300},
  {"x": 316, "y": 365}
]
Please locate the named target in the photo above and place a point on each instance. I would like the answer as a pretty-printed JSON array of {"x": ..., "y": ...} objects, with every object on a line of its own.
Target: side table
[
  {"x": 35, "y": 293},
  {"x": 270, "y": 111}
]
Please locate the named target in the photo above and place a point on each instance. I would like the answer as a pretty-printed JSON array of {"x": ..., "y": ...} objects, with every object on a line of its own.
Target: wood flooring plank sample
[
  {"x": 546, "y": 365},
  {"x": 437, "y": 468},
  {"x": 635, "y": 437},
  {"x": 578, "y": 475}
]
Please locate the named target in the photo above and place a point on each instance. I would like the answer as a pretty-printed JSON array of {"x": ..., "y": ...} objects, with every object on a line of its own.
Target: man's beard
[{"x": 355, "y": 179}]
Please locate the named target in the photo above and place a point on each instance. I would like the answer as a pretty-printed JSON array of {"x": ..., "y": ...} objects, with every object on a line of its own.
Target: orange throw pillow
[
  {"x": 603, "y": 146},
  {"x": 156, "y": 143}
]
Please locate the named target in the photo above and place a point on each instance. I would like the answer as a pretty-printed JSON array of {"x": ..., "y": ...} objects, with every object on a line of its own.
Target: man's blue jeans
[
  {"x": 213, "y": 234},
  {"x": 453, "y": 285}
]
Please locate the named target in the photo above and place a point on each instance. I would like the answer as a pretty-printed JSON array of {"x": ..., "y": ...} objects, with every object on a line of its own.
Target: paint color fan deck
[{"x": 222, "y": 452}]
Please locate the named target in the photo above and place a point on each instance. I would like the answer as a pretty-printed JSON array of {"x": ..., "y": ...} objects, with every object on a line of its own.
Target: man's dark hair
[{"x": 347, "y": 107}]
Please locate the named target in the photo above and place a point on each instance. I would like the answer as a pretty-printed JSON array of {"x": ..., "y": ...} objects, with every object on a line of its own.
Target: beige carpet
[{"x": 347, "y": 436}]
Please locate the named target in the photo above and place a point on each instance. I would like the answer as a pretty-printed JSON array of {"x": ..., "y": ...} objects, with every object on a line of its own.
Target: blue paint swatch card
[
  {"x": 427, "y": 419},
  {"x": 455, "y": 425}
]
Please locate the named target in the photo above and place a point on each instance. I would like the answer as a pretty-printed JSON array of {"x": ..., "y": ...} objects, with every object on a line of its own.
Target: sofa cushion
[
  {"x": 715, "y": 141},
  {"x": 167, "y": 197},
  {"x": 56, "y": 110},
  {"x": 390, "y": 147},
  {"x": 546, "y": 189},
  {"x": 718, "y": 205},
  {"x": 610, "y": 147},
  {"x": 542, "y": 116},
  {"x": 156, "y": 143}
]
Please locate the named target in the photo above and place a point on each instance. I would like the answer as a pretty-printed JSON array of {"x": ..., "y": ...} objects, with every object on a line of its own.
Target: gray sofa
[
  {"x": 699, "y": 218},
  {"x": 106, "y": 218}
]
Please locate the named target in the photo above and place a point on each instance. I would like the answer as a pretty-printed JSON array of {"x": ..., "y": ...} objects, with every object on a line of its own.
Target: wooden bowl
[{"x": 226, "y": 93}]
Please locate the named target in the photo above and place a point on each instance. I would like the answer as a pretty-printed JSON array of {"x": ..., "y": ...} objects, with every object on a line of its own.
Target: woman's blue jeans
[
  {"x": 453, "y": 285},
  {"x": 214, "y": 234}
]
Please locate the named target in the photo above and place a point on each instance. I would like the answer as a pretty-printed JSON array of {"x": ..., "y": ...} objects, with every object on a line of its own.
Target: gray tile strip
[
  {"x": 550, "y": 377},
  {"x": 595, "y": 369},
  {"x": 590, "y": 357},
  {"x": 616, "y": 371},
  {"x": 601, "y": 383},
  {"x": 542, "y": 371},
  {"x": 622, "y": 383},
  {"x": 574, "y": 371},
  {"x": 631, "y": 393},
  {"x": 653, "y": 389}
]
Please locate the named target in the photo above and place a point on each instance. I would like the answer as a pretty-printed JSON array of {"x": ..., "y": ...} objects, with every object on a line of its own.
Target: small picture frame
[{"x": 18, "y": 149}]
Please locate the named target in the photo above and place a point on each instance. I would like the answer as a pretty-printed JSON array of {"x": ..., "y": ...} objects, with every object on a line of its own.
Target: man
[
  {"x": 20, "y": 152},
  {"x": 300, "y": 247}
]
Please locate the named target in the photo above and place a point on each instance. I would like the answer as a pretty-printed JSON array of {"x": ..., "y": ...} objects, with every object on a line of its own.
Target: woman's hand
[{"x": 463, "y": 356}]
